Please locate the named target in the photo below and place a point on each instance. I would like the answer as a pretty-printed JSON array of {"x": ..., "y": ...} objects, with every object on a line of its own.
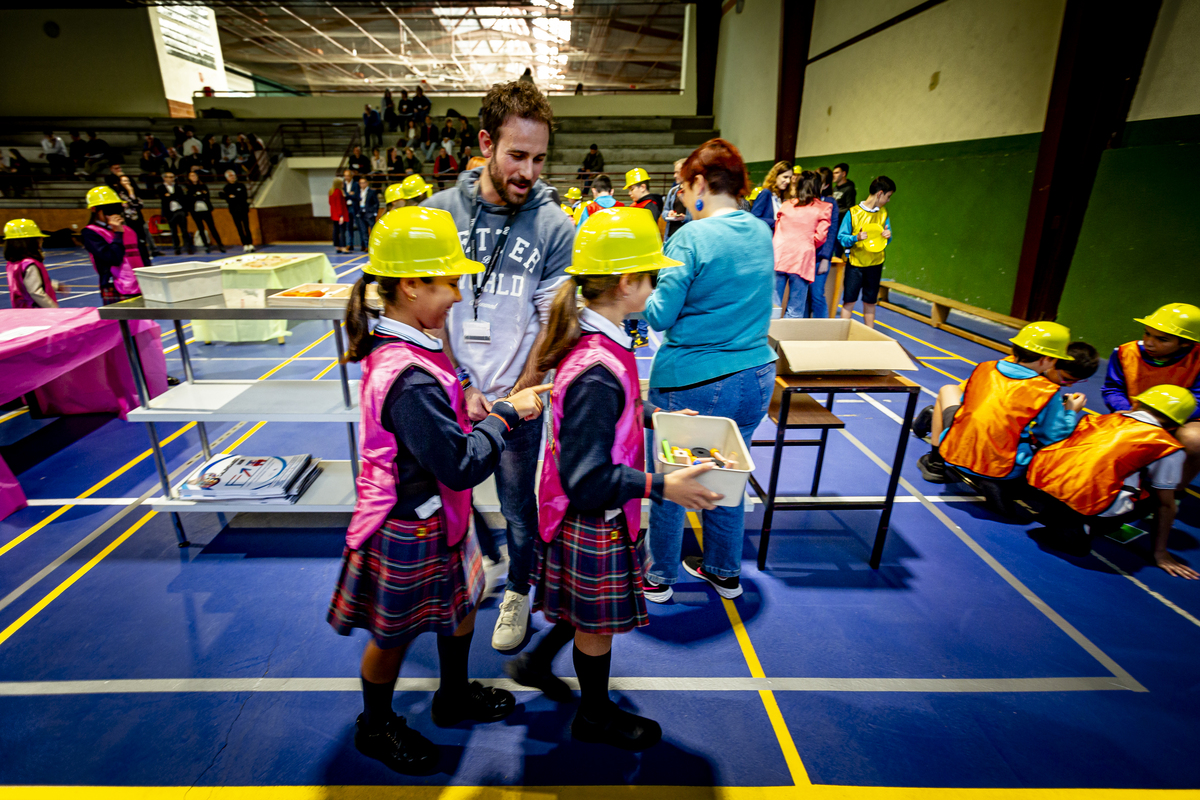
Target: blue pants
[
  {"x": 637, "y": 327},
  {"x": 516, "y": 476},
  {"x": 817, "y": 307},
  {"x": 743, "y": 397},
  {"x": 797, "y": 293},
  {"x": 364, "y": 223}
]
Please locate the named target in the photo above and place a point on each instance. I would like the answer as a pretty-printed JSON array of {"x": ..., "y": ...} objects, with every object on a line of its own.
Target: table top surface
[
  {"x": 213, "y": 307},
  {"x": 847, "y": 381}
]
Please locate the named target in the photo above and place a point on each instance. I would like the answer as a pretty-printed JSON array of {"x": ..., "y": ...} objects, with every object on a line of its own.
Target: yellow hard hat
[
  {"x": 1045, "y": 339},
  {"x": 573, "y": 193},
  {"x": 796, "y": 170},
  {"x": 101, "y": 196},
  {"x": 635, "y": 176},
  {"x": 1176, "y": 402},
  {"x": 1177, "y": 319},
  {"x": 416, "y": 242},
  {"x": 616, "y": 241},
  {"x": 413, "y": 187},
  {"x": 22, "y": 229},
  {"x": 754, "y": 193},
  {"x": 570, "y": 212},
  {"x": 393, "y": 193}
]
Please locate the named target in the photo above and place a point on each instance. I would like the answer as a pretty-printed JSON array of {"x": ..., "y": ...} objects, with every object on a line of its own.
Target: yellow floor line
[
  {"x": 787, "y": 745},
  {"x": 171, "y": 331},
  {"x": 922, "y": 341},
  {"x": 175, "y": 347},
  {"x": 14, "y": 414}
]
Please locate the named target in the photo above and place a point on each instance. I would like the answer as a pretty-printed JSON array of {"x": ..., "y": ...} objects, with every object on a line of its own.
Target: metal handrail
[{"x": 377, "y": 90}]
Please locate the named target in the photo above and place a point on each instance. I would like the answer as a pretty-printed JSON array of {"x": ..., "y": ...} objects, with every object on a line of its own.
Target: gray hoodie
[{"x": 516, "y": 299}]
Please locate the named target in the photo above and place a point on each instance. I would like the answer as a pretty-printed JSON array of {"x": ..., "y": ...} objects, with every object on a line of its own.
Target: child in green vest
[{"x": 864, "y": 233}]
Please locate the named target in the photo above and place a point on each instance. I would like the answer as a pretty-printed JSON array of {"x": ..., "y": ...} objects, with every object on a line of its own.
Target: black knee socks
[
  {"x": 551, "y": 644},
  {"x": 593, "y": 671},
  {"x": 452, "y": 663},
  {"x": 377, "y": 702}
]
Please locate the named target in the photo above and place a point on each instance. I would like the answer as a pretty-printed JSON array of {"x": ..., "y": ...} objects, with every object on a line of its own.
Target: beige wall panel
[
  {"x": 1170, "y": 82},
  {"x": 747, "y": 84},
  {"x": 835, "y": 21}
]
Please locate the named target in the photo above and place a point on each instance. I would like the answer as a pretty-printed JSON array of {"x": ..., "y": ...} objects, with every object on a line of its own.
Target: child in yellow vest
[
  {"x": 1115, "y": 469},
  {"x": 864, "y": 233},
  {"x": 1166, "y": 355}
]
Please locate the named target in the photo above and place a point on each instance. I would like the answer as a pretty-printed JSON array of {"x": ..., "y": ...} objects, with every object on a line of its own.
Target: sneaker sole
[
  {"x": 728, "y": 594},
  {"x": 659, "y": 597}
]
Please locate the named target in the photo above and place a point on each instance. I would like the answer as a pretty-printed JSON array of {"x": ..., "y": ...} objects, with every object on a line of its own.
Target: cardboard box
[{"x": 835, "y": 346}]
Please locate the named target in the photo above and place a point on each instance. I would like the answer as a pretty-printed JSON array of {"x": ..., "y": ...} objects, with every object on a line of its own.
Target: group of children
[
  {"x": 1013, "y": 432},
  {"x": 412, "y": 562}
]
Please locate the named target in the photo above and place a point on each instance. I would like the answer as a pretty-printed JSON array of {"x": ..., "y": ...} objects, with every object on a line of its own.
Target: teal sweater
[{"x": 716, "y": 308}]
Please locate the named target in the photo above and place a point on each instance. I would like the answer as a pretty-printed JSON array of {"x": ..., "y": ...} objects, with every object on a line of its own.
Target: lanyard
[{"x": 489, "y": 261}]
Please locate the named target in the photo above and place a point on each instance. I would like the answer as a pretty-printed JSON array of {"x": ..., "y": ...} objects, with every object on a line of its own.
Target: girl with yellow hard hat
[
  {"x": 412, "y": 562},
  {"x": 29, "y": 284},
  {"x": 594, "y": 461},
  {"x": 112, "y": 246}
]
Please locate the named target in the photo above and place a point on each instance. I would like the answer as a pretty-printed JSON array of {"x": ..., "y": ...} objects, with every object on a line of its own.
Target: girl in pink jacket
[{"x": 800, "y": 228}]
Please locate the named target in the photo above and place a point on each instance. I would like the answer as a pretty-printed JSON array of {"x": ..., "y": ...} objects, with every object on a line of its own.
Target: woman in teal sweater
[{"x": 714, "y": 359}]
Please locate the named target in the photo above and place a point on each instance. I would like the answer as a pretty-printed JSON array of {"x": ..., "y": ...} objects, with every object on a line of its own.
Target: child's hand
[
  {"x": 862, "y": 237},
  {"x": 887, "y": 233},
  {"x": 1074, "y": 401},
  {"x": 687, "y": 412},
  {"x": 1171, "y": 565},
  {"x": 682, "y": 487},
  {"x": 527, "y": 403}
]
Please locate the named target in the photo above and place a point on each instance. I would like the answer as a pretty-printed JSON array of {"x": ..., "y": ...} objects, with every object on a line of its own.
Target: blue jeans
[
  {"x": 743, "y": 397},
  {"x": 516, "y": 476},
  {"x": 364, "y": 224},
  {"x": 817, "y": 307},
  {"x": 636, "y": 327},
  {"x": 797, "y": 293}
]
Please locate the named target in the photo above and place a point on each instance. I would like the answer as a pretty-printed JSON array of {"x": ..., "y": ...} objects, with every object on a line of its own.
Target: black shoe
[
  {"x": 922, "y": 424},
  {"x": 178, "y": 252},
  {"x": 172, "y": 380},
  {"x": 479, "y": 703},
  {"x": 726, "y": 587},
  {"x": 524, "y": 671},
  {"x": 621, "y": 729},
  {"x": 933, "y": 469},
  {"x": 398, "y": 746}
]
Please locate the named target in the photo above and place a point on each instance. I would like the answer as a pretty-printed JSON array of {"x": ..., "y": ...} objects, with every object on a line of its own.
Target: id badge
[
  {"x": 426, "y": 509},
  {"x": 477, "y": 332}
]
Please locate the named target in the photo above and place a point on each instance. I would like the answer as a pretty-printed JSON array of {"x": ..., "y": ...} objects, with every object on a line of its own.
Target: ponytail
[
  {"x": 358, "y": 328},
  {"x": 563, "y": 331}
]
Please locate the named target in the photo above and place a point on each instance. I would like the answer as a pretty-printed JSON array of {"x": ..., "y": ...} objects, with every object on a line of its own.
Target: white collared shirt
[
  {"x": 593, "y": 322},
  {"x": 408, "y": 333}
]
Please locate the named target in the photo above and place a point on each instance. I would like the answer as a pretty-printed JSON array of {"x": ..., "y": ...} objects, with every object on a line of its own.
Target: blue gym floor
[{"x": 971, "y": 660}]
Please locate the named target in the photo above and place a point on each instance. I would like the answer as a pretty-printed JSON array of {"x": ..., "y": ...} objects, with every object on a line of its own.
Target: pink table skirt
[{"x": 74, "y": 363}]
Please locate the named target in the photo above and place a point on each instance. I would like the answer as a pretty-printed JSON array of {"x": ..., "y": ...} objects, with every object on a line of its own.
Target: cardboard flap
[{"x": 844, "y": 356}]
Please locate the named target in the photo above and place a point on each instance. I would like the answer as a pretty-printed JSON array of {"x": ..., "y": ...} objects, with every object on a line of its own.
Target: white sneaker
[
  {"x": 514, "y": 617},
  {"x": 250, "y": 248}
]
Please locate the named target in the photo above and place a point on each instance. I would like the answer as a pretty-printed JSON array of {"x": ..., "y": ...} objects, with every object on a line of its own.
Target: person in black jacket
[
  {"x": 175, "y": 205},
  {"x": 420, "y": 106},
  {"x": 127, "y": 190},
  {"x": 237, "y": 198},
  {"x": 201, "y": 208},
  {"x": 358, "y": 162},
  {"x": 404, "y": 110}
]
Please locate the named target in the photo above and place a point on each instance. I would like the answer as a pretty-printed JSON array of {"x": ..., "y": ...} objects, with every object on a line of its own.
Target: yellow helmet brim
[{"x": 651, "y": 264}]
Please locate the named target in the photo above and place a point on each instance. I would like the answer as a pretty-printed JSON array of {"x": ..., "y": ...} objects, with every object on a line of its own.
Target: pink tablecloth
[{"x": 75, "y": 363}]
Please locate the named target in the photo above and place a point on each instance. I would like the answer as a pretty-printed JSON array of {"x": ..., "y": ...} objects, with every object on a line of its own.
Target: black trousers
[
  {"x": 203, "y": 218},
  {"x": 179, "y": 231},
  {"x": 241, "y": 219}
]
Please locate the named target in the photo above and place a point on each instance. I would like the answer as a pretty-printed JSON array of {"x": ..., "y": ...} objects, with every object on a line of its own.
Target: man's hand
[
  {"x": 478, "y": 406},
  {"x": 1174, "y": 567},
  {"x": 1075, "y": 401}
]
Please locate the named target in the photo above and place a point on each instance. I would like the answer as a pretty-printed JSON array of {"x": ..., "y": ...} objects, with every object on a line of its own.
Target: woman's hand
[
  {"x": 526, "y": 402},
  {"x": 682, "y": 487}
]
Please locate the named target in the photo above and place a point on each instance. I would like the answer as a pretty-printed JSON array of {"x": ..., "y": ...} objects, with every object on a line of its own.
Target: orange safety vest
[
  {"x": 1140, "y": 376},
  {"x": 995, "y": 411},
  {"x": 1088, "y": 468},
  {"x": 593, "y": 207}
]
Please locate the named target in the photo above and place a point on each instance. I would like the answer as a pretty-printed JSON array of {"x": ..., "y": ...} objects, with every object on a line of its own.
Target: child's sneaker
[
  {"x": 726, "y": 587},
  {"x": 656, "y": 592},
  {"x": 933, "y": 469}
]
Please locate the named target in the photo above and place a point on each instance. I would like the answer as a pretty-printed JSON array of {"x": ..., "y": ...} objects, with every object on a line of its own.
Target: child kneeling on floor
[
  {"x": 987, "y": 428},
  {"x": 1116, "y": 469},
  {"x": 411, "y": 562},
  {"x": 593, "y": 473}
]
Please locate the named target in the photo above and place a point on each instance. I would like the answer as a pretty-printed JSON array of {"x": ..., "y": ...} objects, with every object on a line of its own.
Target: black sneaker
[
  {"x": 933, "y": 469},
  {"x": 922, "y": 424},
  {"x": 398, "y": 746},
  {"x": 640, "y": 341},
  {"x": 479, "y": 703},
  {"x": 726, "y": 587},
  {"x": 621, "y": 729},
  {"x": 526, "y": 672},
  {"x": 656, "y": 592}
]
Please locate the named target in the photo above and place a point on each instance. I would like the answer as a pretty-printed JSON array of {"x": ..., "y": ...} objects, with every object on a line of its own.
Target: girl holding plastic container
[
  {"x": 411, "y": 562},
  {"x": 593, "y": 473}
]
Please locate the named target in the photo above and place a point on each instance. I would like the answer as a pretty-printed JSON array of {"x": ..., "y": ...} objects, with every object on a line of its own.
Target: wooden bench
[{"x": 941, "y": 311}]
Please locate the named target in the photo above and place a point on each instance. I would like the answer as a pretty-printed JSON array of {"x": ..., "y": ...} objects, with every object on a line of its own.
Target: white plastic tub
[
  {"x": 175, "y": 283},
  {"x": 719, "y": 433}
]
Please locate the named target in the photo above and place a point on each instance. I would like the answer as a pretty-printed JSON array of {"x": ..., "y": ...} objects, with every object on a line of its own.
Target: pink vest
[
  {"x": 629, "y": 447},
  {"x": 16, "y": 282},
  {"x": 124, "y": 279},
  {"x": 377, "y": 448}
]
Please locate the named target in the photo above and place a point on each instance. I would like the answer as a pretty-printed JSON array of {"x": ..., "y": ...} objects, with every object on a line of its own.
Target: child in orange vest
[
  {"x": 1115, "y": 469},
  {"x": 1166, "y": 355}
]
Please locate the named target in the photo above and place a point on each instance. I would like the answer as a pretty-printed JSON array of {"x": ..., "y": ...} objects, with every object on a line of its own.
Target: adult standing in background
[
  {"x": 132, "y": 209},
  {"x": 844, "y": 190},
  {"x": 237, "y": 198},
  {"x": 775, "y": 189},
  {"x": 802, "y": 227},
  {"x": 174, "y": 210},
  {"x": 818, "y": 306},
  {"x": 352, "y": 197},
  {"x": 201, "y": 208},
  {"x": 714, "y": 359},
  {"x": 674, "y": 211},
  {"x": 420, "y": 107},
  {"x": 404, "y": 109},
  {"x": 389, "y": 110},
  {"x": 372, "y": 127},
  {"x": 343, "y": 239},
  {"x": 368, "y": 209},
  {"x": 510, "y": 221},
  {"x": 527, "y": 75}
]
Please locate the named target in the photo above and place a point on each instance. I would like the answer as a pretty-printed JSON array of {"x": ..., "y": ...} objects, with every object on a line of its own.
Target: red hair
[{"x": 721, "y": 165}]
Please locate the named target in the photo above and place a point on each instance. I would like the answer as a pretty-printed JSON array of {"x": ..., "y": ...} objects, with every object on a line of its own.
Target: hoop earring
[{"x": 699, "y": 204}]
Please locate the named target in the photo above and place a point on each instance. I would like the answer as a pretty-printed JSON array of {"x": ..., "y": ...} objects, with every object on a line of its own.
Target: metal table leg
[
  {"x": 190, "y": 377},
  {"x": 893, "y": 481},
  {"x": 345, "y": 377},
  {"x": 785, "y": 403},
  {"x": 821, "y": 449}
]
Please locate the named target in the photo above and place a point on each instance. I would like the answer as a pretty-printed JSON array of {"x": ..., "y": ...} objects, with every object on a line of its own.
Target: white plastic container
[
  {"x": 714, "y": 433},
  {"x": 175, "y": 283}
]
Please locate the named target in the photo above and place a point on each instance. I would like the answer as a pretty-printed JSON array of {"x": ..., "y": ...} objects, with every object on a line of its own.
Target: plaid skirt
[
  {"x": 406, "y": 580},
  {"x": 590, "y": 576}
]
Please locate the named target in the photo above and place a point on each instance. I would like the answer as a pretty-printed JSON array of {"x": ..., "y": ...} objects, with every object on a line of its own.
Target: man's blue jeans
[
  {"x": 515, "y": 478},
  {"x": 744, "y": 397}
]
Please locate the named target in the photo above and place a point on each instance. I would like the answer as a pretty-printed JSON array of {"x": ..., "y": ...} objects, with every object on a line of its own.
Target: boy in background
[{"x": 864, "y": 267}]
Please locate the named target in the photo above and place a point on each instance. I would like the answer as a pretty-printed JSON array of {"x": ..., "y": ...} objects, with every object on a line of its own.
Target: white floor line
[
  {"x": 1149, "y": 591},
  {"x": 881, "y": 407},
  {"x": 630, "y": 684},
  {"x": 85, "y": 501}
]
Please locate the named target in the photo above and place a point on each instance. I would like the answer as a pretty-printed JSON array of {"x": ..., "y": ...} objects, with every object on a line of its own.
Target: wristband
[
  {"x": 649, "y": 484},
  {"x": 464, "y": 378}
]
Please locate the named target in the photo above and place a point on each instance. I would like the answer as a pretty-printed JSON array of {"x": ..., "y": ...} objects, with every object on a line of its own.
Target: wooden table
[{"x": 794, "y": 408}]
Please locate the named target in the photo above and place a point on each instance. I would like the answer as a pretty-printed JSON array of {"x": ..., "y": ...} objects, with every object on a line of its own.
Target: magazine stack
[{"x": 270, "y": 480}]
